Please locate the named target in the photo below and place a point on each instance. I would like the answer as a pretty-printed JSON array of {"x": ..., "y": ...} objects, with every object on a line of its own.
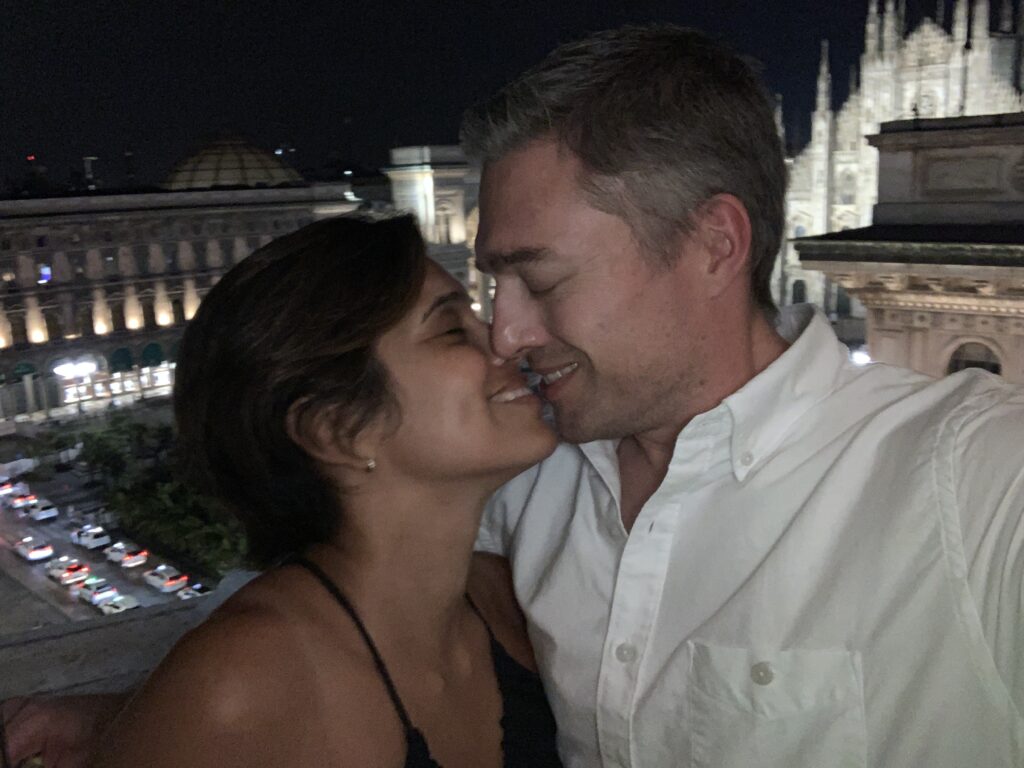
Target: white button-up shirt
[{"x": 831, "y": 574}]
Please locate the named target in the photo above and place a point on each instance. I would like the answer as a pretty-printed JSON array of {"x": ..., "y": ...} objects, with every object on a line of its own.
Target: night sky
[{"x": 353, "y": 78}]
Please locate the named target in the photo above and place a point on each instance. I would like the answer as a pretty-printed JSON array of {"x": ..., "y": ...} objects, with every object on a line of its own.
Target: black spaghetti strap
[{"x": 337, "y": 594}]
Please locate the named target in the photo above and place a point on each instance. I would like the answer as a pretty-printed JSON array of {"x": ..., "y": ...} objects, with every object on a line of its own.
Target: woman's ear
[{"x": 318, "y": 432}]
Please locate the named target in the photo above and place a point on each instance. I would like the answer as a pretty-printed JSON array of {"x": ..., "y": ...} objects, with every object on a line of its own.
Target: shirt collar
[{"x": 767, "y": 407}]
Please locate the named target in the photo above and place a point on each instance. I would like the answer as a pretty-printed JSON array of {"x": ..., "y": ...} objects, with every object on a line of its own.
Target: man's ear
[
  {"x": 723, "y": 226},
  {"x": 318, "y": 433}
]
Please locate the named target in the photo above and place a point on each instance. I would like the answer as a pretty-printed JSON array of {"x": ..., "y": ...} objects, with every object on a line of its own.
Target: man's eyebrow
[
  {"x": 453, "y": 297},
  {"x": 498, "y": 262}
]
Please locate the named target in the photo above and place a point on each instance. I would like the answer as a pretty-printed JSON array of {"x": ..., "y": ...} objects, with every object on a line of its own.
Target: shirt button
[
  {"x": 626, "y": 653},
  {"x": 762, "y": 673},
  {"x": 747, "y": 459}
]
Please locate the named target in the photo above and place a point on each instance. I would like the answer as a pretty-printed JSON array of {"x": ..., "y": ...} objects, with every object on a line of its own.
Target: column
[
  {"x": 6, "y": 333},
  {"x": 162, "y": 305},
  {"x": 132, "y": 308},
  {"x": 241, "y": 249},
  {"x": 191, "y": 298},
  {"x": 102, "y": 322},
  {"x": 186, "y": 256},
  {"x": 35, "y": 323},
  {"x": 214, "y": 256},
  {"x": 156, "y": 263},
  {"x": 94, "y": 264}
]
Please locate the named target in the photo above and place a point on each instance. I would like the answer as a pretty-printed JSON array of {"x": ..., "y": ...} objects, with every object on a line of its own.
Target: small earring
[{"x": 370, "y": 465}]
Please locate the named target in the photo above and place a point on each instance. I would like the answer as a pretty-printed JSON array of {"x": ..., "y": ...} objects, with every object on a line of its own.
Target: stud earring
[{"x": 370, "y": 465}]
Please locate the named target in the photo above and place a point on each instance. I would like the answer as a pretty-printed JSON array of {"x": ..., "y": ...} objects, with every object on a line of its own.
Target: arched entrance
[
  {"x": 152, "y": 355},
  {"x": 121, "y": 360},
  {"x": 974, "y": 354}
]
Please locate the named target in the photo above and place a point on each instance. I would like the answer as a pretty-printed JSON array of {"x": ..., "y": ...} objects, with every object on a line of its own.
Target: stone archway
[
  {"x": 121, "y": 360},
  {"x": 152, "y": 355},
  {"x": 974, "y": 354}
]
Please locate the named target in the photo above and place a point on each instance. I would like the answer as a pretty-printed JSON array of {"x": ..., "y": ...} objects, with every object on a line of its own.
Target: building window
[
  {"x": 443, "y": 216},
  {"x": 799, "y": 292},
  {"x": 45, "y": 274},
  {"x": 974, "y": 355},
  {"x": 41, "y": 241},
  {"x": 848, "y": 188},
  {"x": 5, "y": 245}
]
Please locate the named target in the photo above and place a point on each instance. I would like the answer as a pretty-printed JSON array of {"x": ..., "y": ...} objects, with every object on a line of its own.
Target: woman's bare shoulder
[{"x": 249, "y": 686}]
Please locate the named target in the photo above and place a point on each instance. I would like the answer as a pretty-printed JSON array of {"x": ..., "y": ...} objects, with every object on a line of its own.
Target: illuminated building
[
  {"x": 109, "y": 280},
  {"x": 940, "y": 271},
  {"x": 968, "y": 64}
]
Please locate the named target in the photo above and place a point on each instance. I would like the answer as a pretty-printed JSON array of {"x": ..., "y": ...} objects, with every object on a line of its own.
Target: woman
[{"x": 341, "y": 395}]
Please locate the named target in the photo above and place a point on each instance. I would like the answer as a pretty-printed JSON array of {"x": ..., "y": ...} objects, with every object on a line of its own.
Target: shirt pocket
[{"x": 778, "y": 709}]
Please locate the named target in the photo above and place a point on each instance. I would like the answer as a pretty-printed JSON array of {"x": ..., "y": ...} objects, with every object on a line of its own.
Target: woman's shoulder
[{"x": 251, "y": 685}]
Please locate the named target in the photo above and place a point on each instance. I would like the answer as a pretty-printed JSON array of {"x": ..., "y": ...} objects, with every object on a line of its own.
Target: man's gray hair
[{"x": 662, "y": 118}]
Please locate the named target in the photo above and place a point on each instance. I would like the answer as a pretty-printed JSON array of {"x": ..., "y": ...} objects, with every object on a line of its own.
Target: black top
[{"x": 528, "y": 727}]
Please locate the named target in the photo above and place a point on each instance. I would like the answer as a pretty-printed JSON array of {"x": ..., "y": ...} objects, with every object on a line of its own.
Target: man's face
[{"x": 615, "y": 335}]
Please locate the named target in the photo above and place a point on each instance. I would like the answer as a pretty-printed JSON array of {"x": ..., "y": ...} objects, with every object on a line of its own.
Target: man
[
  {"x": 757, "y": 554},
  {"x": 749, "y": 552}
]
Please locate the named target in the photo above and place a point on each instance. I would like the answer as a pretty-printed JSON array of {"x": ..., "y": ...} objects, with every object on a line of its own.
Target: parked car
[
  {"x": 119, "y": 604},
  {"x": 33, "y": 549},
  {"x": 195, "y": 589},
  {"x": 128, "y": 555},
  {"x": 95, "y": 590},
  {"x": 67, "y": 570},
  {"x": 90, "y": 537},
  {"x": 166, "y": 578},
  {"x": 19, "y": 500},
  {"x": 43, "y": 509},
  {"x": 10, "y": 487}
]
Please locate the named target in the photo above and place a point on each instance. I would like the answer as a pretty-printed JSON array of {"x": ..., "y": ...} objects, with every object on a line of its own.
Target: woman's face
[{"x": 463, "y": 412}]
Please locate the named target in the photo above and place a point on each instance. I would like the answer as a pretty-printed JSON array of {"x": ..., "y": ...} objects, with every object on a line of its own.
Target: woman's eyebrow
[{"x": 454, "y": 297}]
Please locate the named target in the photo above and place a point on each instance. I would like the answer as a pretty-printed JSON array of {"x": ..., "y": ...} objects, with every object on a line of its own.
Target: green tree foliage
[{"x": 155, "y": 503}]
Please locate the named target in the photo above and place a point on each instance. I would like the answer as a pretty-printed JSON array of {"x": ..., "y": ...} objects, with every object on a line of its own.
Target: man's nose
[{"x": 515, "y": 328}]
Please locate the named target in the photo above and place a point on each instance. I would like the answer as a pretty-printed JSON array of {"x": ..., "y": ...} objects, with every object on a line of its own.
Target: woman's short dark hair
[{"x": 292, "y": 325}]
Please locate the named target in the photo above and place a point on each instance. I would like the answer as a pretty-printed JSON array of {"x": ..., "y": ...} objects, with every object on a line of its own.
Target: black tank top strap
[{"x": 343, "y": 601}]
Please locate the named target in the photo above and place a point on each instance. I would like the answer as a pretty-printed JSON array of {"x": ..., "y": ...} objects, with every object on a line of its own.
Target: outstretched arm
[{"x": 63, "y": 731}]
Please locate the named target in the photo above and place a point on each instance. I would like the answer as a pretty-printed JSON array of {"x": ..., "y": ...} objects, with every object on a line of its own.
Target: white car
[
  {"x": 67, "y": 570},
  {"x": 43, "y": 509},
  {"x": 128, "y": 555},
  {"x": 33, "y": 549},
  {"x": 165, "y": 578},
  {"x": 95, "y": 590},
  {"x": 195, "y": 589},
  {"x": 10, "y": 487},
  {"x": 90, "y": 537},
  {"x": 19, "y": 500},
  {"x": 119, "y": 604}
]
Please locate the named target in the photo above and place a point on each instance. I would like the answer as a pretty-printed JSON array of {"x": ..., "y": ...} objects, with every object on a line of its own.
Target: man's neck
[{"x": 644, "y": 457}]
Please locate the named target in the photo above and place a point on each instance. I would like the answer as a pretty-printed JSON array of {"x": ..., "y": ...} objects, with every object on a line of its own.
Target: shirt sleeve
[{"x": 989, "y": 472}]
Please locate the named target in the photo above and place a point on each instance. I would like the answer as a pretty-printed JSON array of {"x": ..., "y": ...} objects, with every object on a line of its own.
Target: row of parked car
[{"x": 76, "y": 575}]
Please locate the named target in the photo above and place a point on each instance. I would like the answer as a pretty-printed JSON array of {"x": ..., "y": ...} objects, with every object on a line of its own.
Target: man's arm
[{"x": 988, "y": 464}]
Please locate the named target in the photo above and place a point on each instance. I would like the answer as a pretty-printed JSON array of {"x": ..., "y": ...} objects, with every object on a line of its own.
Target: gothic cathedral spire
[
  {"x": 960, "y": 23},
  {"x": 980, "y": 25},
  {"x": 871, "y": 30},
  {"x": 824, "y": 103},
  {"x": 889, "y": 29}
]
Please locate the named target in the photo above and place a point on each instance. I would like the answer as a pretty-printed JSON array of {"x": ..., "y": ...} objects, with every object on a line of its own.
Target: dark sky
[{"x": 85, "y": 77}]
